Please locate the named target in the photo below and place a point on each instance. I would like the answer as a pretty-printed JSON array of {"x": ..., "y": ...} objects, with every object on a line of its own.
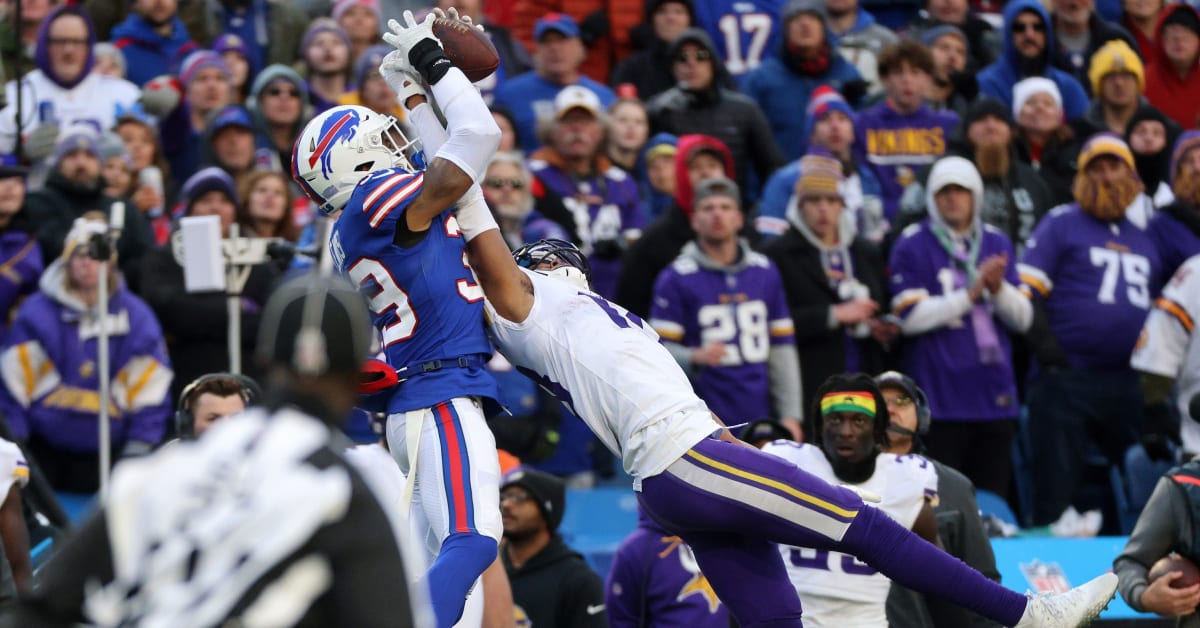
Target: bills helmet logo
[{"x": 335, "y": 131}]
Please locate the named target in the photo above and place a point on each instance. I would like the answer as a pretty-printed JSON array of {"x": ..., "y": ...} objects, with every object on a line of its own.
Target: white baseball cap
[{"x": 576, "y": 97}]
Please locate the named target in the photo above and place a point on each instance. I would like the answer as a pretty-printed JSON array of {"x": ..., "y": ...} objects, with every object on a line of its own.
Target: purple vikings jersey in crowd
[
  {"x": 427, "y": 284},
  {"x": 897, "y": 146},
  {"x": 1097, "y": 281},
  {"x": 742, "y": 306},
  {"x": 946, "y": 360},
  {"x": 655, "y": 581},
  {"x": 744, "y": 31},
  {"x": 606, "y": 209}
]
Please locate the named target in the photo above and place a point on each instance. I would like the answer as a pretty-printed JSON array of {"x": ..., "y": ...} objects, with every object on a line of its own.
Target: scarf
[{"x": 964, "y": 256}]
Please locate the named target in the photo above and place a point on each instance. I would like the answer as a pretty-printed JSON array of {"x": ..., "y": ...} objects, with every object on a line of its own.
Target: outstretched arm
[{"x": 504, "y": 283}]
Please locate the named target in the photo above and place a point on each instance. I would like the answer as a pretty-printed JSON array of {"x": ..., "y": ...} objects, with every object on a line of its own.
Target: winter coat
[
  {"x": 1178, "y": 97},
  {"x": 149, "y": 54}
]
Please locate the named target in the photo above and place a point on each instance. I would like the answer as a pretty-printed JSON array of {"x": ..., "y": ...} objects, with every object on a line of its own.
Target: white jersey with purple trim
[
  {"x": 1168, "y": 347},
  {"x": 836, "y": 589},
  {"x": 13, "y": 467},
  {"x": 607, "y": 366}
]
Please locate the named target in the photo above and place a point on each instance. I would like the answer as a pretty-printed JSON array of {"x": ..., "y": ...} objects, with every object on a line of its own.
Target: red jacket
[{"x": 1178, "y": 98}]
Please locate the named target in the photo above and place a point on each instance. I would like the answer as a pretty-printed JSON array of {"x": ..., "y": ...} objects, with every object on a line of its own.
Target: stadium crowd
[{"x": 990, "y": 198}]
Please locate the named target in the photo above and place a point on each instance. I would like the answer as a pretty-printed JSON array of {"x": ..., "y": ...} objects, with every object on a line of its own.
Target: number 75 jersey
[
  {"x": 424, "y": 300},
  {"x": 744, "y": 31},
  {"x": 1097, "y": 281}
]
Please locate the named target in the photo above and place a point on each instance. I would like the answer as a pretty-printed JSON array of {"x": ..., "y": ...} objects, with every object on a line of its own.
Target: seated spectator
[
  {"x": 197, "y": 324},
  {"x": 278, "y": 101},
  {"x": 1173, "y": 79},
  {"x": 953, "y": 87},
  {"x": 325, "y": 51},
  {"x": 236, "y": 55},
  {"x": 557, "y": 56},
  {"x": 62, "y": 90},
  {"x": 807, "y": 59},
  {"x": 551, "y": 583},
  {"x": 630, "y": 130},
  {"x": 834, "y": 281},
  {"x": 649, "y": 70},
  {"x": 656, "y": 581},
  {"x": 110, "y": 61},
  {"x": 370, "y": 90},
  {"x": 508, "y": 190},
  {"x": 983, "y": 42},
  {"x": 1043, "y": 138},
  {"x": 265, "y": 206},
  {"x": 270, "y": 30},
  {"x": 1014, "y": 198},
  {"x": 602, "y": 198},
  {"x": 1088, "y": 256},
  {"x": 697, "y": 157},
  {"x": 699, "y": 103},
  {"x": 960, "y": 527},
  {"x": 720, "y": 310},
  {"x": 1079, "y": 32},
  {"x": 51, "y": 395},
  {"x": 153, "y": 39},
  {"x": 1140, "y": 19},
  {"x": 954, "y": 285},
  {"x": 361, "y": 20},
  {"x": 1151, "y": 136},
  {"x": 829, "y": 124},
  {"x": 1175, "y": 229},
  {"x": 658, "y": 175},
  {"x": 211, "y": 398},
  {"x": 859, "y": 37},
  {"x": 902, "y": 134},
  {"x": 229, "y": 141},
  {"x": 76, "y": 187},
  {"x": 205, "y": 80},
  {"x": 19, "y": 252},
  {"x": 1029, "y": 51}
]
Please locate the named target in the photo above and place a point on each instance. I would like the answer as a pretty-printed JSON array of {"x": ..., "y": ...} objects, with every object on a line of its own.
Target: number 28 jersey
[
  {"x": 606, "y": 366},
  {"x": 744, "y": 31},
  {"x": 424, "y": 300},
  {"x": 1096, "y": 280},
  {"x": 835, "y": 589}
]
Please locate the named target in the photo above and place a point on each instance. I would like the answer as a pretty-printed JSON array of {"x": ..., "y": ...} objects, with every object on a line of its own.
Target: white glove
[
  {"x": 452, "y": 14},
  {"x": 40, "y": 142},
  {"x": 399, "y": 76},
  {"x": 404, "y": 37}
]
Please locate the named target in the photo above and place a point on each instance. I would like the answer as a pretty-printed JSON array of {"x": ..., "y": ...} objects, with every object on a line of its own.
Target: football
[
  {"x": 470, "y": 49},
  {"x": 1175, "y": 562}
]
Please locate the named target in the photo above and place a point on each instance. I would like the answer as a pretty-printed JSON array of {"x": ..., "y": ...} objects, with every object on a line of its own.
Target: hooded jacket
[
  {"x": 664, "y": 238},
  {"x": 1155, "y": 169},
  {"x": 266, "y": 154},
  {"x": 940, "y": 349},
  {"x": 1177, "y": 97},
  {"x": 731, "y": 117},
  {"x": 997, "y": 79},
  {"x": 778, "y": 88},
  {"x": 556, "y": 588},
  {"x": 649, "y": 70},
  {"x": 149, "y": 54}
]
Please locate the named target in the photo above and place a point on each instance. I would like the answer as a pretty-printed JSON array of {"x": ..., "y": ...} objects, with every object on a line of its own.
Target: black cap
[
  {"x": 1184, "y": 16},
  {"x": 315, "y": 326},
  {"x": 548, "y": 491},
  {"x": 986, "y": 106}
]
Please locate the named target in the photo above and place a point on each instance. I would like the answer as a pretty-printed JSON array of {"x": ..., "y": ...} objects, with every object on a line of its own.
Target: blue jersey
[
  {"x": 423, "y": 298},
  {"x": 744, "y": 31},
  {"x": 1097, "y": 280}
]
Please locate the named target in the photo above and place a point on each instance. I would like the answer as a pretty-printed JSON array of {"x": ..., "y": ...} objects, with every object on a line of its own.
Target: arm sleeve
[
  {"x": 429, "y": 129},
  {"x": 29, "y": 375},
  {"x": 1165, "y": 337},
  {"x": 786, "y": 389},
  {"x": 1156, "y": 530},
  {"x": 917, "y": 300},
  {"x": 143, "y": 385},
  {"x": 473, "y": 133},
  {"x": 1013, "y": 308}
]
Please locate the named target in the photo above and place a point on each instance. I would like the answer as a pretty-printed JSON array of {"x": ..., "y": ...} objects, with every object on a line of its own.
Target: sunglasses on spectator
[
  {"x": 63, "y": 42},
  {"x": 1021, "y": 27},
  {"x": 496, "y": 184},
  {"x": 899, "y": 402},
  {"x": 699, "y": 55},
  {"x": 516, "y": 497},
  {"x": 282, "y": 91}
]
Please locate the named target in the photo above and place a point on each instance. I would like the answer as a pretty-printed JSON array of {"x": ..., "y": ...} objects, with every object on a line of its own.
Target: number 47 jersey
[{"x": 424, "y": 300}]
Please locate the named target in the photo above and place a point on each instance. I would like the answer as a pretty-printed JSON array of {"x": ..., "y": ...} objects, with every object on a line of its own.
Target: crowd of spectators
[{"x": 784, "y": 190}]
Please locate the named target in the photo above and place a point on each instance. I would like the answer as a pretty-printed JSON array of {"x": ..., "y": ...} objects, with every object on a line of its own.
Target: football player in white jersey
[
  {"x": 1165, "y": 352},
  {"x": 835, "y": 588},
  {"x": 14, "y": 475}
]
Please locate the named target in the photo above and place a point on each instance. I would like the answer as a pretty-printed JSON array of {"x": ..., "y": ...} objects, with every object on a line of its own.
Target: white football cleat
[{"x": 1077, "y": 607}]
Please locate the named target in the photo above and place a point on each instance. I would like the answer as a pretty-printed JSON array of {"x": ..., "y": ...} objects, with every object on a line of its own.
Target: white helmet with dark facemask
[
  {"x": 564, "y": 260},
  {"x": 343, "y": 145}
]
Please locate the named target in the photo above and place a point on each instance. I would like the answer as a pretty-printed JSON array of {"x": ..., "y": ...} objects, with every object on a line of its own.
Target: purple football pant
[{"x": 732, "y": 504}]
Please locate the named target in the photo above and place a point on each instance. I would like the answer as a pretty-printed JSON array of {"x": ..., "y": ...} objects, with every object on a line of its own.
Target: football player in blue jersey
[{"x": 397, "y": 239}]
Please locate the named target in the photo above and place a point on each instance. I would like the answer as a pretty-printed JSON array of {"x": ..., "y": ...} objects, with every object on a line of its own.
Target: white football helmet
[{"x": 343, "y": 145}]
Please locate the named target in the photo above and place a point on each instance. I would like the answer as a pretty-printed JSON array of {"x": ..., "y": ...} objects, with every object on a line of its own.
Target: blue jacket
[
  {"x": 997, "y": 79},
  {"x": 147, "y": 53},
  {"x": 783, "y": 95}
]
